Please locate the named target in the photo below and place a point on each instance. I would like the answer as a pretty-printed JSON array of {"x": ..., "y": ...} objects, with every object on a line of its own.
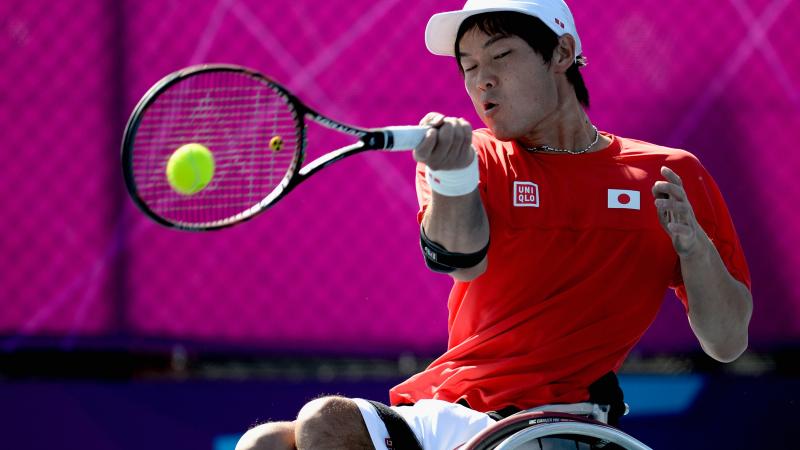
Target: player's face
[{"x": 511, "y": 87}]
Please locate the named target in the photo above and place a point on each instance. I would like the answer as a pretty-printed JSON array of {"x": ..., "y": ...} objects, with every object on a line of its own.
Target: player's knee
[
  {"x": 322, "y": 412},
  {"x": 268, "y": 436},
  {"x": 330, "y": 421}
]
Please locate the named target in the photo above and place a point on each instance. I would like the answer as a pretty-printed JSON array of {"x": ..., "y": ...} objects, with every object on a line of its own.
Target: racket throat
[{"x": 330, "y": 158}]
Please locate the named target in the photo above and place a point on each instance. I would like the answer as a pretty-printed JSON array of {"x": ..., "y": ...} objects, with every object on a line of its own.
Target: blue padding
[
  {"x": 226, "y": 442},
  {"x": 650, "y": 395}
]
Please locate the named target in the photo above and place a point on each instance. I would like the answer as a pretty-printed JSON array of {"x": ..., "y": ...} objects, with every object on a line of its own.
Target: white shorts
[{"x": 438, "y": 425}]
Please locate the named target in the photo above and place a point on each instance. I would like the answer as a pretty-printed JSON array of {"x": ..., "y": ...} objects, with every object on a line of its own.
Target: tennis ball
[{"x": 190, "y": 168}]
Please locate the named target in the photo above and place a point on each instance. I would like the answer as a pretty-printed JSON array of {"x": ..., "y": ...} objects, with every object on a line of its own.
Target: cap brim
[{"x": 442, "y": 28}]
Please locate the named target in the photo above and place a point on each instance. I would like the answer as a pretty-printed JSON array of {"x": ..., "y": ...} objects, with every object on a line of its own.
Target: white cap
[{"x": 440, "y": 34}]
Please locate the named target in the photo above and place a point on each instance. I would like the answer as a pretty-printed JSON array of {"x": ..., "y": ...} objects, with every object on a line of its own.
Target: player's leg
[
  {"x": 338, "y": 423},
  {"x": 269, "y": 436},
  {"x": 324, "y": 423}
]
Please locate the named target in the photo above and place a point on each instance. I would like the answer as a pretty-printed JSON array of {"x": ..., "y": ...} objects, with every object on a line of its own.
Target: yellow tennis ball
[{"x": 190, "y": 168}]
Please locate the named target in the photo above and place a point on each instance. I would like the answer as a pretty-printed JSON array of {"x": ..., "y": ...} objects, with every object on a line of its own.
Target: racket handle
[{"x": 404, "y": 137}]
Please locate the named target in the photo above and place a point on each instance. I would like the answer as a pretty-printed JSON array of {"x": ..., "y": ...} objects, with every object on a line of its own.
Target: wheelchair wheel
[{"x": 546, "y": 430}]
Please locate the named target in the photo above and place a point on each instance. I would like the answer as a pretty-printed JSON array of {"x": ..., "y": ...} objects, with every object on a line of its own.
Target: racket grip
[{"x": 404, "y": 137}]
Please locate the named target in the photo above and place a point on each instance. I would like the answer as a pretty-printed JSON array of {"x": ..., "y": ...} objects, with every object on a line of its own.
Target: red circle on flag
[{"x": 624, "y": 199}]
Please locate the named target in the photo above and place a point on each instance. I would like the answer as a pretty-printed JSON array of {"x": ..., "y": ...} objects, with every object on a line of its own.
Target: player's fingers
[
  {"x": 665, "y": 206},
  {"x": 684, "y": 213},
  {"x": 673, "y": 204},
  {"x": 467, "y": 132},
  {"x": 663, "y": 214},
  {"x": 429, "y": 141},
  {"x": 665, "y": 203},
  {"x": 422, "y": 153},
  {"x": 679, "y": 229},
  {"x": 456, "y": 146},
  {"x": 443, "y": 153},
  {"x": 670, "y": 175},
  {"x": 433, "y": 119},
  {"x": 666, "y": 188},
  {"x": 467, "y": 142},
  {"x": 427, "y": 118},
  {"x": 674, "y": 210},
  {"x": 461, "y": 150}
]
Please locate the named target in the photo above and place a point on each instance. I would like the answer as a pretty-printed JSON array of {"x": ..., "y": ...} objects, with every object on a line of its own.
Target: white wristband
[{"x": 453, "y": 183}]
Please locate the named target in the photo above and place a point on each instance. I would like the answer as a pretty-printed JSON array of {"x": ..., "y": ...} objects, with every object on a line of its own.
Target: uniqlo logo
[{"x": 526, "y": 194}]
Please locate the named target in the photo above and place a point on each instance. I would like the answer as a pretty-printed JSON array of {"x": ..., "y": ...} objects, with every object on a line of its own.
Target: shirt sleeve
[
  {"x": 713, "y": 216},
  {"x": 480, "y": 143}
]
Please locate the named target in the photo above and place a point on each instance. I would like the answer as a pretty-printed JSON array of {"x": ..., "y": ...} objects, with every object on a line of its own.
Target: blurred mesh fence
[{"x": 336, "y": 266}]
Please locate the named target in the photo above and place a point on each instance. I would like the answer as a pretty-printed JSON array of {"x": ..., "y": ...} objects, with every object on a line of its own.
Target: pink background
[{"x": 336, "y": 267}]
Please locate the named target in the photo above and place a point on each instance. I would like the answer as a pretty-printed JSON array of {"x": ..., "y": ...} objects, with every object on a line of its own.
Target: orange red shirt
[{"x": 577, "y": 269}]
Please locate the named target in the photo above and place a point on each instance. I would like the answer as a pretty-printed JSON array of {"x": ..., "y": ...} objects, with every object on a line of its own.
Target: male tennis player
[{"x": 561, "y": 239}]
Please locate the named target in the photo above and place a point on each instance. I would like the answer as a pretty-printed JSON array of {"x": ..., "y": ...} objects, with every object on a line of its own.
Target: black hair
[{"x": 533, "y": 31}]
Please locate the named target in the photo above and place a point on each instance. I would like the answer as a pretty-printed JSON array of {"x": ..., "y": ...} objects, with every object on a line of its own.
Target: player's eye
[
  {"x": 502, "y": 55},
  {"x": 470, "y": 68}
]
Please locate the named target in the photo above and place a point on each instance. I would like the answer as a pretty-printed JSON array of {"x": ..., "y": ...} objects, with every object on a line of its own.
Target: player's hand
[
  {"x": 676, "y": 214},
  {"x": 447, "y": 144}
]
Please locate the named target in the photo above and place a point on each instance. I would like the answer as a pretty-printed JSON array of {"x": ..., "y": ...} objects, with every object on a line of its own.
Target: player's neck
[{"x": 566, "y": 128}]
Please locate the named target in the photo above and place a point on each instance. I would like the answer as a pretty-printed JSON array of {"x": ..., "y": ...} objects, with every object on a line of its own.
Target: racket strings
[{"x": 236, "y": 117}]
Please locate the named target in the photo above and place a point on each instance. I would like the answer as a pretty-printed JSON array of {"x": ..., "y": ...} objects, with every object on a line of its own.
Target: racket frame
[{"x": 369, "y": 139}]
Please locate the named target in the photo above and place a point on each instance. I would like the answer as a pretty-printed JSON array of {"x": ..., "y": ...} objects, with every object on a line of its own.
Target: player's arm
[
  {"x": 455, "y": 221},
  {"x": 720, "y": 306}
]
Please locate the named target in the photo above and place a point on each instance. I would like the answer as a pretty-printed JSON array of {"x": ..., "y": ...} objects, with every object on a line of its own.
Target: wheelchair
[{"x": 546, "y": 429}]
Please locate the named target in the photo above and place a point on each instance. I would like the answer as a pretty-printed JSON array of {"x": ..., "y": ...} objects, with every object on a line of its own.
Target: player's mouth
[{"x": 489, "y": 108}]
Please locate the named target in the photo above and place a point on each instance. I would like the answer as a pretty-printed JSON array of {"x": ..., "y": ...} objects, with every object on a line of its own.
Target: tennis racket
[{"x": 254, "y": 128}]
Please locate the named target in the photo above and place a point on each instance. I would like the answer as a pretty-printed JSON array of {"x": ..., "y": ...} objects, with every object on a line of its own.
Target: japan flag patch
[{"x": 624, "y": 199}]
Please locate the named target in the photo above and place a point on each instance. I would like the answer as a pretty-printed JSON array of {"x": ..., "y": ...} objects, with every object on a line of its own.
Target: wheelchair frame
[{"x": 524, "y": 428}]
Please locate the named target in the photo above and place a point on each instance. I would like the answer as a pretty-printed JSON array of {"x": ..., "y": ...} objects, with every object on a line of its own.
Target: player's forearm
[
  {"x": 459, "y": 224},
  {"x": 719, "y": 306}
]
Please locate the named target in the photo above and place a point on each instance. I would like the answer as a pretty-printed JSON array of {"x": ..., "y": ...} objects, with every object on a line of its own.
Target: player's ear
[{"x": 564, "y": 53}]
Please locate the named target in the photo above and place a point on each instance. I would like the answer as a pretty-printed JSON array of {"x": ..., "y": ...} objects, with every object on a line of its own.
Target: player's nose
[{"x": 486, "y": 79}]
